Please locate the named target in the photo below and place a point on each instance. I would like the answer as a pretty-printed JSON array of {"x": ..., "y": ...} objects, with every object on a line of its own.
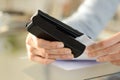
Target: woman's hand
[
  {"x": 107, "y": 50},
  {"x": 46, "y": 52}
]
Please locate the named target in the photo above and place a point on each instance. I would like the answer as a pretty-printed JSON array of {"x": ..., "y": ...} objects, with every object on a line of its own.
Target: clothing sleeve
[{"x": 92, "y": 16}]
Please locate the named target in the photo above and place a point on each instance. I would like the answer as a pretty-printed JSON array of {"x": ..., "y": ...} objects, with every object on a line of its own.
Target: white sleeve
[{"x": 92, "y": 16}]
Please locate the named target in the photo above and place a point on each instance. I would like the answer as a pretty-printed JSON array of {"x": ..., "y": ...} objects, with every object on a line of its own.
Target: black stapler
[{"x": 44, "y": 26}]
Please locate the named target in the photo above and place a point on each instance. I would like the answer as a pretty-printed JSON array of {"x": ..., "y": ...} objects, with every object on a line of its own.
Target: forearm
[{"x": 92, "y": 16}]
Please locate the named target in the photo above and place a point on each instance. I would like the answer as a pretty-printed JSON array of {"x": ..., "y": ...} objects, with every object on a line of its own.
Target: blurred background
[{"x": 14, "y": 14}]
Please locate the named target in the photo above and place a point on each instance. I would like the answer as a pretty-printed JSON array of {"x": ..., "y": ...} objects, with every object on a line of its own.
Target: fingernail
[
  {"x": 99, "y": 60},
  {"x": 70, "y": 56},
  {"x": 60, "y": 45},
  {"x": 68, "y": 51}
]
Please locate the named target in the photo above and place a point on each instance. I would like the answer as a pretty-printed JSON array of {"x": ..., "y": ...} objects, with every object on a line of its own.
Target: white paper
[
  {"x": 74, "y": 64},
  {"x": 79, "y": 62}
]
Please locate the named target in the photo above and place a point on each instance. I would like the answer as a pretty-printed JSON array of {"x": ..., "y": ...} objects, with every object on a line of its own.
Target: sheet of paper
[
  {"x": 79, "y": 62},
  {"x": 74, "y": 64}
]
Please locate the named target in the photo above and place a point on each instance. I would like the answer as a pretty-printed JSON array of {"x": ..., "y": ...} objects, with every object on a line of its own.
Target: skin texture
[
  {"x": 107, "y": 50},
  {"x": 46, "y": 52}
]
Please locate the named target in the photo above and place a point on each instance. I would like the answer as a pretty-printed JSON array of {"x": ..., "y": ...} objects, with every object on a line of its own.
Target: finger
[
  {"x": 29, "y": 40},
  {"x": 37, "y": 58},
  {"x": 54, "y": 54},
  {"x": 60, "y": 56},
  {"x": 109, "y": 57},
  {"x": 108, "y": 50},
  {"x": 59, "y": 51},
  {"x": 38, "y": 52},
  {"x": 105, "y": 43},
  {"x": 117, "y": 62},
  {"x": 40, "y": 43},
  {"x": 29, "y": 51},
  {"x": 42, "y": 60}
]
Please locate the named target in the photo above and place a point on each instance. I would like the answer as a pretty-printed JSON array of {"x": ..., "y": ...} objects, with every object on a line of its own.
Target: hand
[
  {"x": 107, "y": 50},
  {"x": 46, "y": 52}
]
